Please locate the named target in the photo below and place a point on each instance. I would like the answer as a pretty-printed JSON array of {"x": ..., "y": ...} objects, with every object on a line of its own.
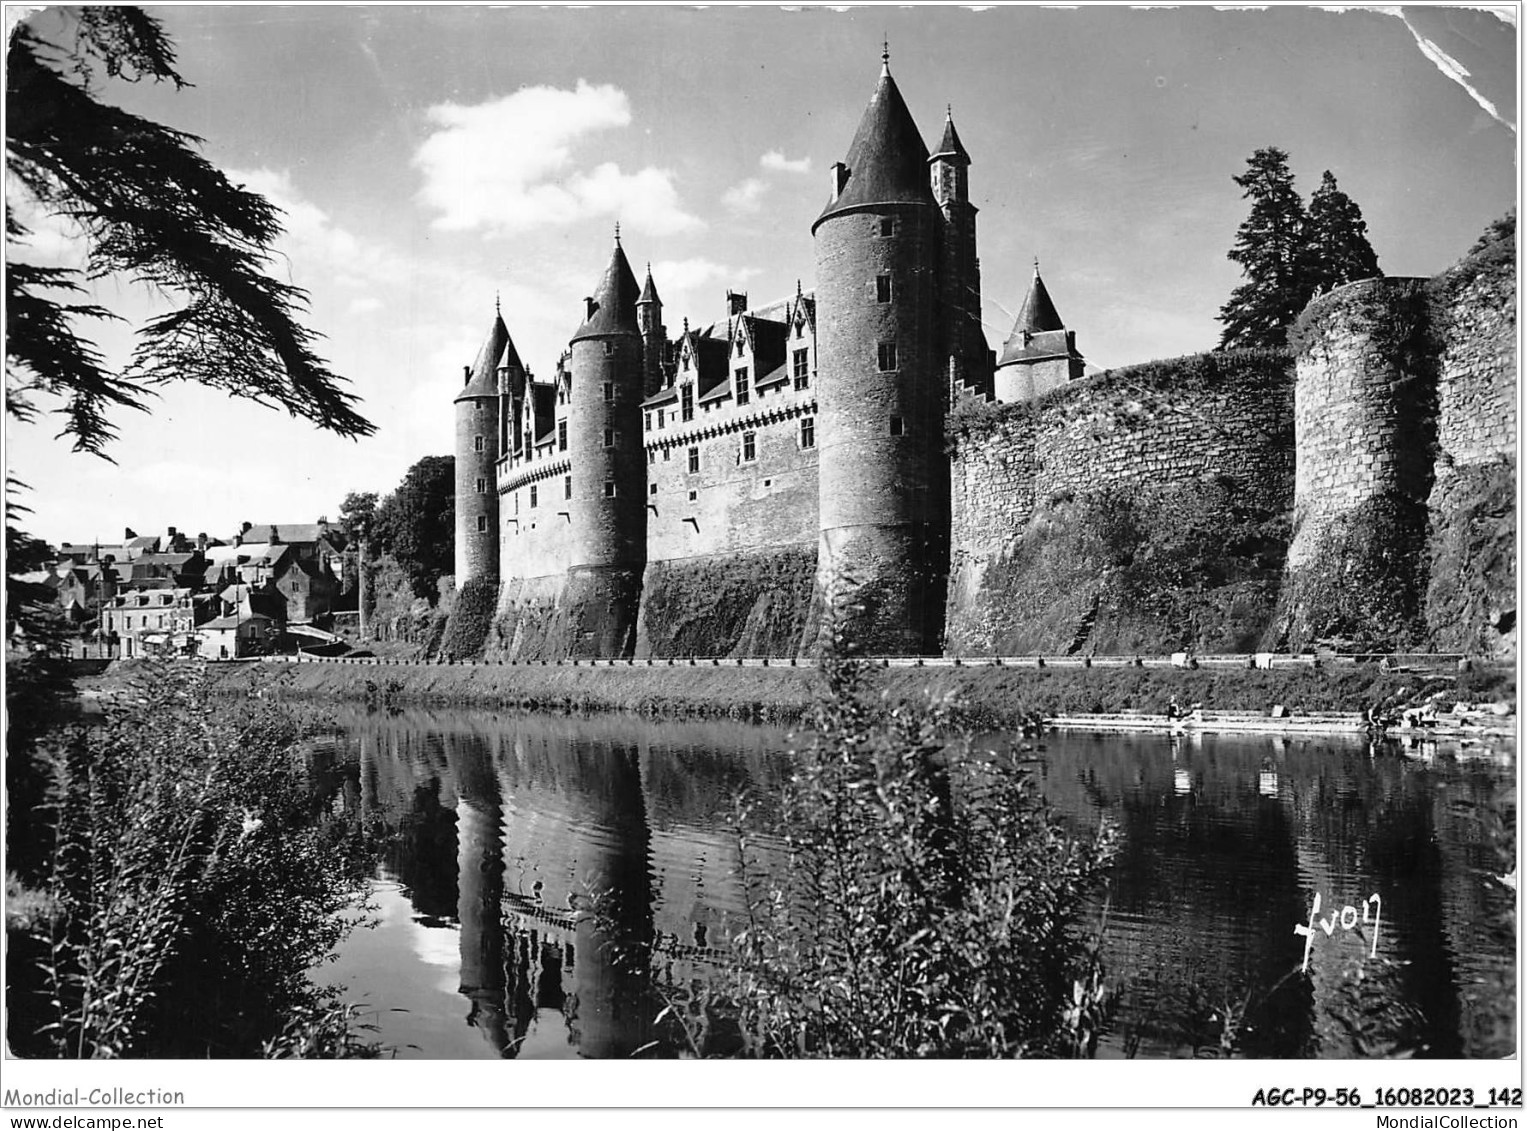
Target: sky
[{"x": 433, "y": 160}]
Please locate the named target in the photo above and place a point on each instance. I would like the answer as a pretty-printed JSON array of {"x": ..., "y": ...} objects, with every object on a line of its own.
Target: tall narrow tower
[
  {"x": 649, "y": 317},
  {"x": 883, "y": 552},
  {"x": 607, "y": 509},
  {"x": 477, "y": 451},
  {"x": 969, "y": 360}
]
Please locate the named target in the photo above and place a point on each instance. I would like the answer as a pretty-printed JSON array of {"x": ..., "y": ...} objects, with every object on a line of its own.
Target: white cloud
[
  {"x": 507, "y": 165},
  {"x": 312, "y": 243},
  {"x": 689, "y": 274},
  {"x": 366, "y": 305},
  {"x": 777, "y": 162},
  {"x": 745, "y": 197}
]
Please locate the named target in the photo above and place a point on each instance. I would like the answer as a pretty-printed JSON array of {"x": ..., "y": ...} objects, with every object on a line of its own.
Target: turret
[
  {"x": 478, "y": 433},
  {"x": 649, "y": 319},
  {"x": 882, "y": 359},
  {"x": 1040, "y": 354},
  {"x": 968, "y": 359}
]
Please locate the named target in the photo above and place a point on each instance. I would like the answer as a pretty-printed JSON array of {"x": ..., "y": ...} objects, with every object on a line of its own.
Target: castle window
[
  {"x": 694, "y": 460},
  {"x": 898, "y": 426},
  {"x": 652, "y": 488},
  {"x": 741, "y": 385},
  {"x": 609, "y": 390},
  {"x": 739, "y": 347},
  {"x": 808, "y": 431},
  {"x": 647, "y": 421},
  {"x": 749, "y": 447},
  {"x": 482, "y": 486},
  {"x": 684, "y": 363},
  {"x": 482, "y": 528},
  {"x": 533, "y": 499},
  {"x": 561, "y": 435},
  {"x": 477, "y": 444},
  {"x": 801, "y": 368},
  {"x": 609, "y": 489},
  {"x": 659, "y": 418},
  {"x": 567, "y": 486},
  {"x": 693, "y": 495},
  {"x": 687, "y": 402},
  {"x": 651, "y": 457},
  {"x": 882, "y": 288},
  {"x": 609, "y": 348},
  {"x": 887, "y": 226},
  {"x": 887, "y": 357},
  {"x": 800, "y": 329},
  {"x": 611, "y": 437}
]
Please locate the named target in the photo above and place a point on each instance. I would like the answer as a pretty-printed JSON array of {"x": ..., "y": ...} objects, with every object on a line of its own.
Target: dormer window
[
  {"x": 739, "y": 347},
  {"x": 887, "y": 226},
  {"x": 741, "y": 385}
]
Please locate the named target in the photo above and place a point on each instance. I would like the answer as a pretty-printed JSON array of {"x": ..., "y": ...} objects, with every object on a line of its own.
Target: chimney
[
  {"x": 466, "y": 374},
  {"x": 128, "y": 533}
]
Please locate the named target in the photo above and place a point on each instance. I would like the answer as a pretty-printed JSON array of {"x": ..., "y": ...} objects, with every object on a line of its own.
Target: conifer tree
[
  {"x": 1336, "y": 243},
  {"x": 1270, "y": 249}
]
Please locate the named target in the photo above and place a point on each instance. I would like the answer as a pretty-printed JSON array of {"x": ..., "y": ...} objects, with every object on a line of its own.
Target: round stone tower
[
  {"x": 607, "y": 509},
  {"x": 477, "y": 451},
  {"x": 883, "y": 553}
]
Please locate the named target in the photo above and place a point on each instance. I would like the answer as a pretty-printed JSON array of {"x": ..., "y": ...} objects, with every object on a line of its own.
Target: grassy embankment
[{"x": 992, "y": 696}]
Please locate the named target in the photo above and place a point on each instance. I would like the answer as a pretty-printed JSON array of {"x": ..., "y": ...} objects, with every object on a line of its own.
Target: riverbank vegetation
[{"x": 188, "y": 886}]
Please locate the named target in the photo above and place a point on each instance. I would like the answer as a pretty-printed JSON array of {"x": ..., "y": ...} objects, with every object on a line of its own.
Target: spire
[
  {"x": 482, "y": 377},
  {"x": 950, "y": 147},
  {"x": 617, "y": 233},
  {"x": 649, "y": 290},
  {"x": 887, "y": 162},
  {"x": 1038, "y": 313},
  {"x": 613, "y": 307},
  {"x": 885, "y": 58}
]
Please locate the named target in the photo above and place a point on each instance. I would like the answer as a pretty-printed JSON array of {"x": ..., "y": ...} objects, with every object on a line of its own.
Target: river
[{"x": 496, "y": 827}]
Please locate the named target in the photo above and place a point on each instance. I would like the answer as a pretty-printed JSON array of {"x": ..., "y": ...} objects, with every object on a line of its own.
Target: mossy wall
[
  {"x": 471, "y": 619},
  {"x": 583, "y": 614},
  {"x": 749, "y": 604}
]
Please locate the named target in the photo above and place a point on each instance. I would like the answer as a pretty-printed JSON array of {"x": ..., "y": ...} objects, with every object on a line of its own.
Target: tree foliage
[
  {"x": 153, "y": 211},
  {"x": 416, "y": 523},
  {"x": 1289, "y": 254},
  {"x": 357, "y": 514}
]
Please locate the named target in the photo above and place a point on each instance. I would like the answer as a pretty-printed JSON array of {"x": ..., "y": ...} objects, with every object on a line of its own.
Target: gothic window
[
  {"x": 749, "y": 447},
  {"x": 741, "y": 385},
  {"x": 659, "y": 418},
  {"x": 882, "y": 288},
  {"x": 694, "y": 460},
  {"x": 801, "y": 368},
  {"x": 477, "y": 444},
  {"x": 647, "y": 421},
  {"x": 533, "y": 498},
  {"x": 808, "y": 432},
  {"x": 561, "y": 435},
  {"x": 567, "y": 486},
  {"x": 887, "y": 357},
  {"x": 687, "y": 402},
  {"x": 482, "y": 486}
]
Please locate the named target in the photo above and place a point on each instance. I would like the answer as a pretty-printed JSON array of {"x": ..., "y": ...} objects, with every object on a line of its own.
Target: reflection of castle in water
[{"x": 547, "y": 818}]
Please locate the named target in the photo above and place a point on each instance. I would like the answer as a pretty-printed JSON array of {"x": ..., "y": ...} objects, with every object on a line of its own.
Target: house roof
[
  {"x": 887, "y": 161},
  {"x": 234, "y": 621},
  {"x": 614, "y": 301}
]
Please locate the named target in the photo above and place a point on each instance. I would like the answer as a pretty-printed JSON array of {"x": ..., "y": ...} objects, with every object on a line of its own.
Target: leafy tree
[
  {"x": 416, "y": 524},
  {"x": 1270, "y": 249},
  {"x": 1336, "y": 247},
  {"x": 1498, "y": 229},
  {"x": 357, "y": 514},
  {"x": 150, "y": 209}
]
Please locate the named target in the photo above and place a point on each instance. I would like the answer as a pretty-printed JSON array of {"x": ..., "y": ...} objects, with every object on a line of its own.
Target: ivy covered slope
[{"x": 1145, "y": 510}]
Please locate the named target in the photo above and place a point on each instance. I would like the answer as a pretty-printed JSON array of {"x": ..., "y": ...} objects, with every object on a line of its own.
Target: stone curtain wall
[
  {"x": 1474, "y": 305},
  {"x": 760, "y": 603},
  {"x": 1126, "y": 465}
]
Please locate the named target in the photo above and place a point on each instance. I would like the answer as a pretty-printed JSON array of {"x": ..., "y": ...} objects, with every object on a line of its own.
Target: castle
[
  {"x": 709, "y": 493},
  {"x": 812, "y": 426}
]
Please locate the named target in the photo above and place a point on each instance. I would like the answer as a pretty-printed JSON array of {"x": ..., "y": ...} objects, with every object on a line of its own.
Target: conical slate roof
[
  {"x": 649, "y": 290},
  {"x": 1038, "y": 313},
  {"x": 887, "y": 162},
  {"x": 950, "y": 146},
  {"x": 483, "y": 381},
  {"x": 614, "y": 301},
  {"x": 1038, "y": 332}
]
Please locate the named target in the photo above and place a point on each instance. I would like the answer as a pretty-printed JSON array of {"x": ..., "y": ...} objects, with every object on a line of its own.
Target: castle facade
[{"x": 796, "y": 443}]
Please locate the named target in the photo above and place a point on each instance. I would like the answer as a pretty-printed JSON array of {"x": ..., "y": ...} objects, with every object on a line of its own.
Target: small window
[
  {"x": 898, "y": 426},
  {"x": 477, "y": 443},
  {"x": 808, "y": 432},
  {"x": 567, "y": 486},
  {"x": 482, "y": 528},
  {"x": 694, "y": 460},
  {"x": 887, "y": 226},
  {"x": 739, "y": 347},
  {"x": 741, "y": 385},
  {"x": 609, "y": 388},
  {"x": 482, "y": 486},
  {"x": 660, "y": 417},
  {"x": 533, "y": 499},
  {"x": 651, "y": 457},
  {"x": 609, "y": 349},
  {"x": 647, "y": 421},
  {"x": 887, "y": 357},
  {"x": 561, "y": 435},
  {"x": 749, "y": 447},
  {"x": 687, "y": 396},
  {"x": 652, "y": 488},
  {"x": 800, "y": 329},
  {"x": 882, "y": 288},
  {"x": 609, "y": 488},
  {"x": 693, "y": 495},
  {"x": 684, "y": 363},
  {"x": 800, "y": 362},
  {"x": 611, "y": 437}
]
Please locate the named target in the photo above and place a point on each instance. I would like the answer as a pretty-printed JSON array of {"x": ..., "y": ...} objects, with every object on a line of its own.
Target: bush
[{"x": 193, "y": 887}]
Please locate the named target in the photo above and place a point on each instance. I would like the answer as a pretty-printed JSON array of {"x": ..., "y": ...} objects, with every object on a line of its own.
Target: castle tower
[
  {"x": 607, "y": 509},
  {"x": 881, "y": 347},
  {"x": 1040, "y": 354},
  {"x": 477, "y": 451},
  {"x": 649, "y": 318},
  {"x": 964, "y": 343}
]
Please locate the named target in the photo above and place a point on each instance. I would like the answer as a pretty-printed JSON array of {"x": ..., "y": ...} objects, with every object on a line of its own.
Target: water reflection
[{"x": 502, "y": 829}]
